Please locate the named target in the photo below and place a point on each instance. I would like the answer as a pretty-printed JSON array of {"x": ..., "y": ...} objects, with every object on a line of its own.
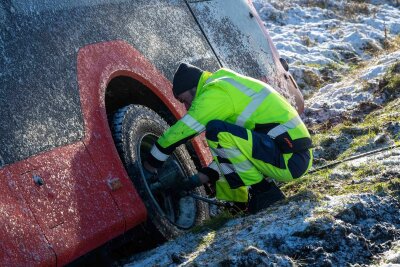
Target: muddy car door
[{"x": 241, "y": 42}]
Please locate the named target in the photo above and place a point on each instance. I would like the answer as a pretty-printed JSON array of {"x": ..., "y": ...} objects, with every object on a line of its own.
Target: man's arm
[{"x": 214, "y": 104}]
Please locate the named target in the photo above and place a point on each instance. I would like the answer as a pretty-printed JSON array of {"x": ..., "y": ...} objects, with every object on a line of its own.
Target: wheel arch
[
  {"x": 103, "y": 64},
  {"x": 124, "y": 90},
  {"x": 103, "y": 68}
]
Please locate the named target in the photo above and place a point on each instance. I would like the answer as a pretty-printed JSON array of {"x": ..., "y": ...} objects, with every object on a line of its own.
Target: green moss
[
  {"x": 322, "y": 183},
  {"x": 368, "y": 169},
  {"x": 392, "y": 44},
  {"x": 307, "y": 41},
  {"x": 312, "y": 79},
  {"x": 389, "y": 86},
  {"x": 358, "y": 144},
  {"x": 214, "y": 223},
  {"x": 355, "y": 8},
  {"x": 394, "y": 83},
  {"x": 350, "y": 186},
  {"x": 206, "y": 240},
  {"x": 393, "y": 77},
  {"x": 394, "y": 187},
  {"x": 314, "y": 65},
  {"x": 335, "y": 66},
  {"x": 361, "y": 135},
  {"x": 321, "y": 138},
  {"x": 309, "y": 183},
  {"x": 390, "y": 112},
  {"x": 353, "y": 67}
]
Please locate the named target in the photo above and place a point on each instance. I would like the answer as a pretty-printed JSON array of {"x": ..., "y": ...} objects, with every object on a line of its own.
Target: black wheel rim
[{"x": 168, "y": 204}]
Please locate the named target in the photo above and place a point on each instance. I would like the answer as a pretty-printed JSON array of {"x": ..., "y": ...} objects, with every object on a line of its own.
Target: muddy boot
[{"x": 263, "y": 195}]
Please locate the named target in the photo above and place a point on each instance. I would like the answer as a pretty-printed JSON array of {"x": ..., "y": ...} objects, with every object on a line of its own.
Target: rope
[
  {"x": 211, "y": 201},
  {"x": 362, "y": 155}
]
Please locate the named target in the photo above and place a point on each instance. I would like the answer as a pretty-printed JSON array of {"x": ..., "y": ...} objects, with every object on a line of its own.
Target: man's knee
[{"x": 299, "y": 163}]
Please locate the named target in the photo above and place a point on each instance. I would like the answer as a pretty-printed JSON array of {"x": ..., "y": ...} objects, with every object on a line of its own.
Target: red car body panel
[
  {"x": 22, "y": 241},
  {"x": 97, "y": 65},
  {"x": 63, "y": 205}
]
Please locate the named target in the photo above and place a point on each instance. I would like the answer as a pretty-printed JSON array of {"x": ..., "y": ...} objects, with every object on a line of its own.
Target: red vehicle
[{"x": 85, "y": 90}]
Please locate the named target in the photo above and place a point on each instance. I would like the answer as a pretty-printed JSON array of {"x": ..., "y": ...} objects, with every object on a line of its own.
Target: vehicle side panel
[
  {"x": 22, "y": 242},
  {"x": 74, "y": 207}
]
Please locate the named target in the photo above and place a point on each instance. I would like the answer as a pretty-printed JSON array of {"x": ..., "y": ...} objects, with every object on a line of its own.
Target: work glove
[
  {"x": 176, "y": 183},
  {"x": 188, "y": 184}
]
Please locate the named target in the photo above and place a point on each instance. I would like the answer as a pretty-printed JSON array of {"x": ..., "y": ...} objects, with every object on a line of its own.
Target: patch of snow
[
  {"x": 305, "y": 33},
  {"x": 392, "y": 257},
  {"x": 331, "y": 230},
  {"x": 338, "y": 98}
]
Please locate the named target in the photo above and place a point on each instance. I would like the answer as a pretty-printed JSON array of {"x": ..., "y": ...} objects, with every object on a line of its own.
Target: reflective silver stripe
[
  {"x": 193, "y": 123},
  {"x": 155, "y": 152},
  {"x": 251, "y": 107},
  {"x": 219, "y": 152},
  {"x": 214, "y": 166},
  {"x": 243, "y": 166},
  {"x": 244, "y": 89},
  {"x": 226, "y": 153},
  {"x": 213, "y": 152},
  {"x": 232, "y": 152},
  {"x": 226, "y": 168},
  {"x": 280, "y": 129},
  {"x": 257, "y": 98}
]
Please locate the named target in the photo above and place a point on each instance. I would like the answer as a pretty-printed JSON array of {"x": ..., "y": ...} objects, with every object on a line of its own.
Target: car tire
[{"x": 135, "y": 129}]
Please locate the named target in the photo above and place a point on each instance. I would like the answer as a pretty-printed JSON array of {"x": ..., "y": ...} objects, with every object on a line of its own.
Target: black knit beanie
[{"x": 186, "y": 77}]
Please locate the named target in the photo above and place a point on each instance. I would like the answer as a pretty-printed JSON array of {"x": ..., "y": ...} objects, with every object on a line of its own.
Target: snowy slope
[
  {"x": 324, "y": 40},
  {"x": 340, "y": 53}
]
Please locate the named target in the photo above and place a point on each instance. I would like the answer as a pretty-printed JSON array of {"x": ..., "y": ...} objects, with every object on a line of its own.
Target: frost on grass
[
  {"x": 325, "y": 39},
  {"x": 357, "y": 95},
  {"x": 338, "y": 230}
]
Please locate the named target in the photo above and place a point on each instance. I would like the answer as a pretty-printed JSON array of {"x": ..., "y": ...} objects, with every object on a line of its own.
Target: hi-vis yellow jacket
[{"x": 228, "y": 96}]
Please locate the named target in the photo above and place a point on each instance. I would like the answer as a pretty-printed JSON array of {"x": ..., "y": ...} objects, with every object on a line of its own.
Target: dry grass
[
  {"x": 306, "y": 40},
  {"x": 350, "y": 8},
  {"x": 391, "y": 44}
]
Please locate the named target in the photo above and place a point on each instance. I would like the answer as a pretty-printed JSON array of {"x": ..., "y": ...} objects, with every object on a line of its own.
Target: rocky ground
[{"x": 346, "y": 57}]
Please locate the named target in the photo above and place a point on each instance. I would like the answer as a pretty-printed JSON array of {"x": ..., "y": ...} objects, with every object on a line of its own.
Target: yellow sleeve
[{"x": 213, "y": 104}]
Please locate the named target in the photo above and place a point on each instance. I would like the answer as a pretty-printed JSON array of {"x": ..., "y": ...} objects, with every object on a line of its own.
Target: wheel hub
[{"x": 179, "y": 210}]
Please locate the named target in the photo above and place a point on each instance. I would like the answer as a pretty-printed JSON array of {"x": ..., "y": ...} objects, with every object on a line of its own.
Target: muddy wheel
[{"x": 135, "y": 129}]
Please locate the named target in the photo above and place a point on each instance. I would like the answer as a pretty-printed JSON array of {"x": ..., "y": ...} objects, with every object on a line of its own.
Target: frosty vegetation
[{"x": 346, "y": 57}]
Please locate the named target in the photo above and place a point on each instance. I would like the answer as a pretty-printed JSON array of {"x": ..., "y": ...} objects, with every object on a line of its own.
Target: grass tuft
[{"x": 214, "y": 223}]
